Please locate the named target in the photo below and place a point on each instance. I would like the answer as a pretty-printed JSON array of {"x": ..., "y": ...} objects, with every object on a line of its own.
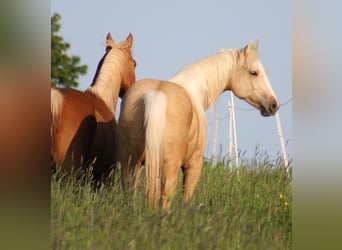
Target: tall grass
[{"x": 245, "y": 209}]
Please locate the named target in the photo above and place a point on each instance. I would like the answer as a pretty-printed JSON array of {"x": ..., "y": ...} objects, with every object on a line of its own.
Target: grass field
[{"x": 245, "y": 209}]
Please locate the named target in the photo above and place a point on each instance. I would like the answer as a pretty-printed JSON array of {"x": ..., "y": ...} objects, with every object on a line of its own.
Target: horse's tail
[
  {"x": 56, "y": 107},
  {"x": 56, "y": 104},
  {"x": 154, "y": 123}
]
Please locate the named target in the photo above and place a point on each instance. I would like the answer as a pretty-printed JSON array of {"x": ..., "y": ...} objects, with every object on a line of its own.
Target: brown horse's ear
[
  {"x": 109, "y": 42},
  {"x": 129, "y": 40}
]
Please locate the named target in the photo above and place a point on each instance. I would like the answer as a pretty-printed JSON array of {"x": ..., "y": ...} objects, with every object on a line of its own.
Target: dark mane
[{"x": 108, "y": 49}]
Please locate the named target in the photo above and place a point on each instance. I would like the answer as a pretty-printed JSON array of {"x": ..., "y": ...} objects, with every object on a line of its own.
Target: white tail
[
  {"x": 154, "y": 123},
  {"x": 56, "y": 103},
  {"x": 56, "y": 107}
]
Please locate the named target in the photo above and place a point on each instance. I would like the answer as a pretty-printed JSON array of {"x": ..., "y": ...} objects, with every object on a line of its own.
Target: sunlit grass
[{"x": 246, "y": 209}]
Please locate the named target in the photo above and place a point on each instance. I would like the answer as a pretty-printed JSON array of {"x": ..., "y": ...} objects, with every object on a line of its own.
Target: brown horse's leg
[
  {"x": 192, "y": 173},
  {"x": 169, "y": 184}
]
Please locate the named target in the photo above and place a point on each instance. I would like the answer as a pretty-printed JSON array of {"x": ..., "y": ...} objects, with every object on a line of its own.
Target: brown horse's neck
[
  {"x": 107, "y": 81},
  {"x": 207, "y": 79}
]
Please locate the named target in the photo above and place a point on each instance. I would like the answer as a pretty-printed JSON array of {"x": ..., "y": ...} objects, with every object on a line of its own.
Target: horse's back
[
  {"x": 172, "y": 91},
  {"x": 132, "y": 107}
]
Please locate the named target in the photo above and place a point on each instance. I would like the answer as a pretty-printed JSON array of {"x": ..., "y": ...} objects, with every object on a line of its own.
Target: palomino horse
[
  {"x": 83, "y": 123},
  {"x": 163, "y": 124}
]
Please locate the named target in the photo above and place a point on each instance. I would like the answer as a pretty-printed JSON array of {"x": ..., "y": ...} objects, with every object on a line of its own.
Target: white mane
[{"x": 206, "y": 79}]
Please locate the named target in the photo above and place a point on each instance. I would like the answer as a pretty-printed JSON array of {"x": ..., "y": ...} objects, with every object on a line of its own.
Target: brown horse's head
[
  {"x": 117, "y": 63},
  {"x": 127, "y": 72},
  {"x": 250, "y": 83}
]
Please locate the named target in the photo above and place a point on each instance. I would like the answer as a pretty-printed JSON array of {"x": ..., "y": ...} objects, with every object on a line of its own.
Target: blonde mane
[
  {"x": 106, "y": 83},
  {"x": 207, "y": 78}
]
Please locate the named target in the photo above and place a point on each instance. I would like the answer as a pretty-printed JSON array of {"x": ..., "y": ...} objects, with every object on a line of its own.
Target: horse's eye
[
  {"x": 253, "y": 73},
  {"x": 135, "y": 63}
]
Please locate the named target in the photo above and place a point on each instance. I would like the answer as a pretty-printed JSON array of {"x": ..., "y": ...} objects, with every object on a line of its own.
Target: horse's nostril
[{"x": 274, "y": 106}]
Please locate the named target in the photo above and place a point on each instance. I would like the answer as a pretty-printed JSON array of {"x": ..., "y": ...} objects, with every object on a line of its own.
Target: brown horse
[
  {"x": 83, "y": 123},
  {"x": 163, "y": 125}
]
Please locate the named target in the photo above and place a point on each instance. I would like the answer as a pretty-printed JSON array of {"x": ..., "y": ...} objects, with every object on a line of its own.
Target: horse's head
[
  {"x": 128, "y": 70},
  {"x": 250, "y": 83}
]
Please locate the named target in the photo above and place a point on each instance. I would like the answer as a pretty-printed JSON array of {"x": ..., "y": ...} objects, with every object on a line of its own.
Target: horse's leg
[
  {"x": 123, "y": 157},
  {"x": 136, "y": 176},
  {"x": 125, "y": 173},
  {"x": 192, "y": 172},
  {"x": 129, "y": 173},
  {"x": 169, "y": 183}
]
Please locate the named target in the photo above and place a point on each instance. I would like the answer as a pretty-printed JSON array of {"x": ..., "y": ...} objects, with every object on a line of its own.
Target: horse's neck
[
  {"x": 107, "y": 83},
  {"x": 206, "y": 79}
]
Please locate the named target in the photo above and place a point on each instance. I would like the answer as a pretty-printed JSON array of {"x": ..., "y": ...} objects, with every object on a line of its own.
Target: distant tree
[{"x": 65, "y": 69}]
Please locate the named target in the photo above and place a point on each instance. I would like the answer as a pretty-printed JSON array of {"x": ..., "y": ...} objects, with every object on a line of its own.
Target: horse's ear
[
  {"x": 247, "y": 49},
  {"x": 250, "y": 46},
  {"x": 129, "y": 40},
  {"x": 109, "y": 37},
  {"x": 256, "y": 45},
  {"x": 109, "y": 42}
]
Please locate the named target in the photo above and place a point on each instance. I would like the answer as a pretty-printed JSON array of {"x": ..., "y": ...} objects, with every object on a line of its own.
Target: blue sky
[{"x": 170, "y": 35}]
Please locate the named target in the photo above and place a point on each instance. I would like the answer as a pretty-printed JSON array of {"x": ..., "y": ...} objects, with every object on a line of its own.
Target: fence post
[
  {"x": 230, "y": 149},
  {"x": 213, "y": 155},
  {"x": 233, "y": 126},
  {"x": 282, "y": 143}
]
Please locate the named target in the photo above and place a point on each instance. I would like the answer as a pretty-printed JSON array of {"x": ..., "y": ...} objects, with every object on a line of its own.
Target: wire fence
[
  {"x": 247, "y": 109},
  {"x": 232, "y": 133}
]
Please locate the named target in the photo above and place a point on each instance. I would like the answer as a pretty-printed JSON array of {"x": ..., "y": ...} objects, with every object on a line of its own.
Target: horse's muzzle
[{"x": 270, "y": 108}]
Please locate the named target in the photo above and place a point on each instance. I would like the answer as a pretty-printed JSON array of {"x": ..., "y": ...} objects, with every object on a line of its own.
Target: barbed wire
[
  {"x": 247, "y": 109},
  {"x": 251, "y": 109},
  {"x": 232, "y": 131},
  {"x": 287, "y": 102}
]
